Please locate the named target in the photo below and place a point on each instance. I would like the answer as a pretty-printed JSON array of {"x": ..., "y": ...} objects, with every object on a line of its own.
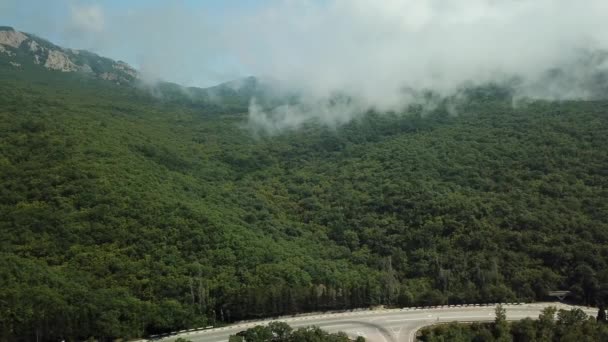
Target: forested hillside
[{"x": 123, "y": 214}]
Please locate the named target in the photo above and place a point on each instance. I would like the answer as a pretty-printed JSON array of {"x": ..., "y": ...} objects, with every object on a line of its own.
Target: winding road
[{"x": 387, "y": 325}]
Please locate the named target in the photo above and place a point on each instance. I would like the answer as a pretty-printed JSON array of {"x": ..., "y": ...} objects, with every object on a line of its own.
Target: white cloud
[
  {"x": 87, "y": 18},
  {"x": 374, "y": 49},
  {"x": 371, "y": 50},
  {"x": 385, "y": 44}
]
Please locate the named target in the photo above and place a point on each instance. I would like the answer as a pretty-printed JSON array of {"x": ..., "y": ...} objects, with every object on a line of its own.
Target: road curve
[{"x": 390, "y": 325}]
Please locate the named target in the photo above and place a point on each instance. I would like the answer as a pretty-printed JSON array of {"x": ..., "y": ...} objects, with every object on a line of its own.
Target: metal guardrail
[{"x": 252, "y": 323}]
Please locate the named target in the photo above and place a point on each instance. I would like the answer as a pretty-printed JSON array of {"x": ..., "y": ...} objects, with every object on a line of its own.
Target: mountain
[
  {"x": 126, "y": 212},
  {"x": 24, "y": 50},
  {"x": 586, "y": 77}
]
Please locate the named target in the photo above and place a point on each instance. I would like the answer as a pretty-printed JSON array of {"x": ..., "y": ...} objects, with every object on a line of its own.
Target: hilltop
[{"x": 23, "y": 50}]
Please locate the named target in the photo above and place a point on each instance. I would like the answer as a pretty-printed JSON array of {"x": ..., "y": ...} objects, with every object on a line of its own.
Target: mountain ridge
[
  {"x": 26, "y": 50},
  {"x": 587, "y": 78},
  {"x": 18, "y": 46}
]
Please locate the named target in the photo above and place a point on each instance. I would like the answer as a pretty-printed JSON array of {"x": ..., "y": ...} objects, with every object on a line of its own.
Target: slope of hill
[
  {"x": 123, "y": 215},
  {"x": 23, "y": 50}
]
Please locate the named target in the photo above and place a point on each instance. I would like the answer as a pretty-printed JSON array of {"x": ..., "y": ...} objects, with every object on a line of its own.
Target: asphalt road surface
[{"x": 383, "y": 325}]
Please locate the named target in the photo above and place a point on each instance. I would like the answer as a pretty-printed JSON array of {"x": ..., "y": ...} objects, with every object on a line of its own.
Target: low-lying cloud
[
  {"x": 378, "y": 53},
  {"x": 87, "y": 18}
]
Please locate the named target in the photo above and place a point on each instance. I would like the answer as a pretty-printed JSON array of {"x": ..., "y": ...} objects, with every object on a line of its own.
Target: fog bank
[{"x": 378, "y": 53}]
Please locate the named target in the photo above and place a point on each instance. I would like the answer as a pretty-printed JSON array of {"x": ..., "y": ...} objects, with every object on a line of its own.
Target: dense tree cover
[
  {"x": 122, "y": 214},
  {"x": 552, "y": 325},
  {"x": 282, "y": 332}
]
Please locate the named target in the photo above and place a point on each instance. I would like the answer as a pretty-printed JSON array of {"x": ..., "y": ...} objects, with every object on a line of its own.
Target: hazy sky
[
  {"x": 368, "y": 48},
  {"x": 334, "y": 42}
]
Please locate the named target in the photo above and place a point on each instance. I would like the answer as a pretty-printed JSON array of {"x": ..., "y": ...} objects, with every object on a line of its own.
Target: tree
[
  {"x": 572, "y": 326},
  {"x": 500, "y": 323},
  {"x": 546, "y": 324},
  {"x": 601, "y": 314},
  {"x": 235, "y": 338},
  {"x": 571, "y": 317},
  {"x": 280, "y": 330},
  {"x": 257, "y": 334},
  {"x": 524, "y": 330}
]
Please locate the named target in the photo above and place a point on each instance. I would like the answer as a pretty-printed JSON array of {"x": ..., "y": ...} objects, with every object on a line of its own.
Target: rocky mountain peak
[
  {"x": 10, "y": 37},
  {"x": 27, "y": 50}
]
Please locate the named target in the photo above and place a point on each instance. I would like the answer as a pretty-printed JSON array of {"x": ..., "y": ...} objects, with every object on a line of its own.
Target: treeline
[
  {"x": 551, "y": 325},
  {"x": 122, "y": 215}
]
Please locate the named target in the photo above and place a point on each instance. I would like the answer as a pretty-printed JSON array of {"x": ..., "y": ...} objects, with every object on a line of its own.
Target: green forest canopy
[
  {"x": 282, "y": 332},
  {"x": 122, "y": 214},
  {"x": 552, "y": 325}
]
